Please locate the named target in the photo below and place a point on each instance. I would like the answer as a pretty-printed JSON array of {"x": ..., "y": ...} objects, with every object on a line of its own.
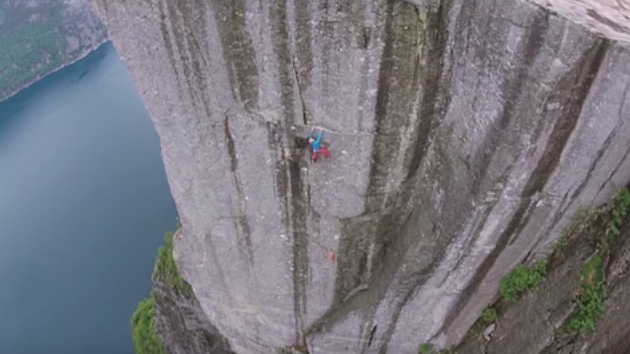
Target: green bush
[
  {"x": 522, "y": 279},
  {"x": 165, "y": 270},
  {"x": 293, "y": 349},
  {"x": 425, "y": 348},
  {"x": 590, "y": 300},
  {"x": 488, "y": 316},
  {"x": 592, "y": 295},
  {"x": 618, "y": 210},
  {"x": 145, "y": 338}
]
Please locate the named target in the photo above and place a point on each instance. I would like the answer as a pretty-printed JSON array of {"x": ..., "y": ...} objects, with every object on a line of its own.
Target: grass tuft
[
  {"x": 165, "y": 270},
  {"x": 522, "y": 279},
  {"x": 488, "y": 317},
  {"x": 425, "y": 348}
]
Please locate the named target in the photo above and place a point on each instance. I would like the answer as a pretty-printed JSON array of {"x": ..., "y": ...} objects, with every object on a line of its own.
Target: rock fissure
[{"x": 241, "y": 221}]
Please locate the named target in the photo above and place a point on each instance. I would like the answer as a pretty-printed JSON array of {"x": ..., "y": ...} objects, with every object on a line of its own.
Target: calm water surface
[{"x": 84, "y": 204}]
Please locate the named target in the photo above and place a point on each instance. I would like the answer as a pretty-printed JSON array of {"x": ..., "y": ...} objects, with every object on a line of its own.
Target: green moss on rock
[
  {"x": 166, "y": 271},
  {"x": 145, "y": 338}
]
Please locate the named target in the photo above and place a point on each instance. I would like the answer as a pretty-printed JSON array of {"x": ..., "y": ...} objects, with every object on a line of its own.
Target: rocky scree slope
[
  {"x": 39, "y": 37},
  {"x": 464, "y": 134}
]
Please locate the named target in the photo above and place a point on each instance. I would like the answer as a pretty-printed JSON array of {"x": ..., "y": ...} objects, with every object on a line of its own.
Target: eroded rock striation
[{"x": 464, "y": 134}]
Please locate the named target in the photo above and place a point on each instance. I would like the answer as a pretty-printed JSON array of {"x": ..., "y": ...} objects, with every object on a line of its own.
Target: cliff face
[
  {"x": 546, "y": 319},
  {"x": 464, "y": 134},
  {"x": 179, "y": 320},
  {"x": 39, "y": 37}
]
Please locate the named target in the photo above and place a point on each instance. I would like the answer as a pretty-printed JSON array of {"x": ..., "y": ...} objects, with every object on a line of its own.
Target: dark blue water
[{"x": 84, "y": 204}]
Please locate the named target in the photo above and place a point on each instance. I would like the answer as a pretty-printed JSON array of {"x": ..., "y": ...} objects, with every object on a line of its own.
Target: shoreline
[{"x": 82, "y": 56}]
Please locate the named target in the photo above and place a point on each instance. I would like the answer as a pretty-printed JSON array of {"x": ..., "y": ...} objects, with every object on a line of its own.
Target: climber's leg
[{"x": 325, "y": 152}]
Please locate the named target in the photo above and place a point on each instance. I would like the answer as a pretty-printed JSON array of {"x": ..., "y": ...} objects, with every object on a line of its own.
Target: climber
[
  {"x": 331, "y": 255},
  {"x": 316, "y": 145}
]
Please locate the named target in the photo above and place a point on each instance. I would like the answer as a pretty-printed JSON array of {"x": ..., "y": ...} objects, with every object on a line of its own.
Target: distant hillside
[{"x": 40, "y": 36}]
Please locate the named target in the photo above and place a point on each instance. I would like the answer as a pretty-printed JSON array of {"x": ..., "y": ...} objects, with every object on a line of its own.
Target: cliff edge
[{"x": 464, "y": 136}]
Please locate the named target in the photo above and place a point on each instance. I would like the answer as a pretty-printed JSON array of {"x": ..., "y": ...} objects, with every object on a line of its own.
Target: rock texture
[
  {"x": 533, "y": 325},
  {"x": 181, "y": 323},
  {"x": 464, "y": 135},
  {"x": 39, "y": 37}
]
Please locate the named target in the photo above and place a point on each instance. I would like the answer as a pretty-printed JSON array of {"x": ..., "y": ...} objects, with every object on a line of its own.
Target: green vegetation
[
  {"x": 590, "y": 300},
  {"x": 145, "y": 338},
  {"x": 592, "y": 293},
  {"x": 618, "y": 211},
  {"x": 425, "y": 348},
  {"x": 522, "y": 279},
  {"x": 32, "y": 42},
  {"x": 165, "y": 270},
  {"x": 32, "y": 50},
  {"x": 293, "y": 349},
  {"x": 143, "y": 328},
  {"x": 488, "y": 316}
]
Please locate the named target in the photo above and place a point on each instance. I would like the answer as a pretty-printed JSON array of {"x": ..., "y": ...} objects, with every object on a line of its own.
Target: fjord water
[{"x": 84, "y": 204}]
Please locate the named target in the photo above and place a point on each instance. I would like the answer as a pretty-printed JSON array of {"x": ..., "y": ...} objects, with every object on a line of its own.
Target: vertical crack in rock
[
  {"x": 513, "y": 88},
  {"x": 362, "y": 238},
  {"x": 412, "y": 284},
  {"x": 577, "y": 83},
  {"x": 178, "y": 36},
  {"x": 238, "y": 51},
  {"x": 573, "y": 88},
  {"x": 597, "y": 159},
  {"x": 435, "y": 90},
  {"x": 604, "y": 148},
  {"x": 362, "y": 35},
  {"x": 241, "y": 221},
  {"x": 614, "y": 170},
  {"x": 305, "y": 116},
  {"x": 185, "y": 18},
  {"x": 290, "y": 184},
  {"x": 166, "y": 37},
  {"x": 290, "y": 191},
  {"x": 303, "y": 61}
]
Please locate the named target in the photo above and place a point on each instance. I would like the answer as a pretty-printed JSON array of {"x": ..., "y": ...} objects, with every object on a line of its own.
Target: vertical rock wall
[
  {"x": 182, "y": 326},
  {"x": 464, "y": 135}
]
